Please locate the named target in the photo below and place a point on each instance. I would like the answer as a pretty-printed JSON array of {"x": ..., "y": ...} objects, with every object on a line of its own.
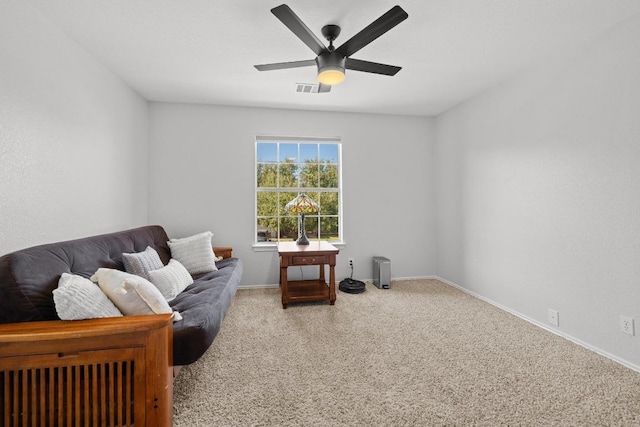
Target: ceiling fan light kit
[
  {"x": 332, "y": 62},
  {"x": 331, "y": 67}
]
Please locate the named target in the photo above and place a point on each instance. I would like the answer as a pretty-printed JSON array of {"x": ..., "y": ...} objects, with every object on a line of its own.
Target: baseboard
[
  {"x": 396, "y": 279},
  {"x": 564, "y": 335},
  {"x": 258, "y": 286},
  {"x": 393, "y": 279}
]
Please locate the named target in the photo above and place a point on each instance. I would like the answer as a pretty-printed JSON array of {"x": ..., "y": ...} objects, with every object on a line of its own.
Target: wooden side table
[{"x": 315, "y": 253}]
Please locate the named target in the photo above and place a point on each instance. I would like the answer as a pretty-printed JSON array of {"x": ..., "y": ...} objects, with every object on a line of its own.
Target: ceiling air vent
[{"x": 307, "y": 87}]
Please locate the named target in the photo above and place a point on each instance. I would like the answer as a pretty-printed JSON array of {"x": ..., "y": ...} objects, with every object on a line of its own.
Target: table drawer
[{"x": 309, "y": 260}]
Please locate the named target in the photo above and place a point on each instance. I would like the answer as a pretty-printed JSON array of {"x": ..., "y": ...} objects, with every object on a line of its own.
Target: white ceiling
[{"x": 203, "y": 51}]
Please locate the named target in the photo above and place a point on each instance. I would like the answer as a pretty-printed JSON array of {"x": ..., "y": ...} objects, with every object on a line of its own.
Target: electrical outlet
[
  {"x": 553, "y": 317},
  {"x": 351, "y": 262},
  {"x": 626, "y": 325}
]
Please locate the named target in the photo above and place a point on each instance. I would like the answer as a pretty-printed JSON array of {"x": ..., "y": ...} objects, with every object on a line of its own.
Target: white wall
[
  {"x": 538, "y": 184},
  {"x": 73, "y": 138},
  {"x": 535, "y": 204},
  {"x": 203, "y": 177}
]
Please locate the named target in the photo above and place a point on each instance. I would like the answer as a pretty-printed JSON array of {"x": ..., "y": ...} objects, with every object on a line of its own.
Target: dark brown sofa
[{"x": 28, "y": 277}]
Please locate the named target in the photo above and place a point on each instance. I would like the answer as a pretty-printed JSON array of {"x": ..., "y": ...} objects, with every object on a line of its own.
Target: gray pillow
[{"x": 142, "y": 263}]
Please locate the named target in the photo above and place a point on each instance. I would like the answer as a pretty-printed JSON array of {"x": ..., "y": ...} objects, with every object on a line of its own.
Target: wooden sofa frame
[{"x": 99, "y": 372}]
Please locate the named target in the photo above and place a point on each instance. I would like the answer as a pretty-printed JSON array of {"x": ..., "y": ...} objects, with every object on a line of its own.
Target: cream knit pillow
[
  {"x": 171, "y": 279},
  {"x": 132, "y": 294},
  {"x": 194, "y": 253},
  {"x": 79, "y": 298}
]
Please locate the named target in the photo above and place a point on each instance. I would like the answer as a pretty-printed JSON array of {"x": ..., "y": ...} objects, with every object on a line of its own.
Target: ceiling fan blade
[
  {"x": 285, "y": 65},
  {"x": 324, "y": 88},
  {"x": 295, "y": 24},
  {"x": 372, "y": 67},
  {"x": 374, "y": 30}
]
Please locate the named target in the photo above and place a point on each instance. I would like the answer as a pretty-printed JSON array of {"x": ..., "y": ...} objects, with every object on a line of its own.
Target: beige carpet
[{"x": 421, "y": 353}]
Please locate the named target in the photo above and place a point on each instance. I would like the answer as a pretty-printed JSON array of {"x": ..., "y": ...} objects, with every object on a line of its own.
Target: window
[{"x": 286, "y": 167}]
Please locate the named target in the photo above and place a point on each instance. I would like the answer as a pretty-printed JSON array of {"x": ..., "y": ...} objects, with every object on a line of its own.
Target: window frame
[{"x": 270, "y": 245}]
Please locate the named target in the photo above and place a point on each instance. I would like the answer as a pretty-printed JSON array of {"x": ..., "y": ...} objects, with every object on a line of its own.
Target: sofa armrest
[
  {"x": 223, "y": 251},
  {"x": 129, "y": 358}
]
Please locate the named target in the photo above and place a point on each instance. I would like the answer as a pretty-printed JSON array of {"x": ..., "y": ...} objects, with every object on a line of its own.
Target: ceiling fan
[{"x": 332, "y": 62}]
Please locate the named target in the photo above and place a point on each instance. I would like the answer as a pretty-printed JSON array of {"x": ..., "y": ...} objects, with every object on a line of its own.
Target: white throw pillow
[
  {"x": 194, "y": 253},
  {"x": 171, "y": 279},
  {"x": 141, "y": 263},
  {"x": 133, "y": 295},
  {"x": 79, "y": 298}
]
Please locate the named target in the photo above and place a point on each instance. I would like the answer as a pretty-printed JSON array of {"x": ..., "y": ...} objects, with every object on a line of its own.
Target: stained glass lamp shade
[{"x": 302, "y": 205}]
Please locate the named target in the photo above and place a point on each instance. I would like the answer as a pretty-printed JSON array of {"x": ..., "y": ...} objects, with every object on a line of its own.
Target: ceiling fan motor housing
[{"x": 331, "y": 65}]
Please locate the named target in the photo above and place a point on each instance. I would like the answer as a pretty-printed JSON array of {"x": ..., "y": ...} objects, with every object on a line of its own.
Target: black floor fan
[{"x": 350, "y": 285}]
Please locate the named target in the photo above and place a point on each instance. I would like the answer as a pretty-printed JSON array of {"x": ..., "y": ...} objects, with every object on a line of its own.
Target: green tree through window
[{"x": 285, "y": 169}]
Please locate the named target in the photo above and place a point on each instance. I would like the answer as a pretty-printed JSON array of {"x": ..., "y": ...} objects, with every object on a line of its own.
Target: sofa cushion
[
  {"x": 78, "y": 298},
  {"x": 203, "y": 306},
  {"x": 171, "y": 279},
  {"x": 28, "y": 277},
  {"x": 25, "y": 291},
  {"x": 194, "y": 252},
  {"x": 141, "y": 263}
]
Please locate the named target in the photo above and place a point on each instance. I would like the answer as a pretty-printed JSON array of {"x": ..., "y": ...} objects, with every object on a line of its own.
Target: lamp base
[{"x": 302, "y": 240}]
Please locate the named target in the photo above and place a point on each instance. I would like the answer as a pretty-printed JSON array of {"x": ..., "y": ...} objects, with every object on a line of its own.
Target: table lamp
[{"x": 302, "y": 205}]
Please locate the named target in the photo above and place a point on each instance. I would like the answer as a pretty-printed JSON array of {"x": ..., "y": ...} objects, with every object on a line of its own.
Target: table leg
[
  {"x": 284, "y": 285},
  {"x": 332, "y": 284}
]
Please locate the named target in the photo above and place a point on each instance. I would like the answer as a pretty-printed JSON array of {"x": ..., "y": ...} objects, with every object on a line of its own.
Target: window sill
[{"x": 273, "y": 246}]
